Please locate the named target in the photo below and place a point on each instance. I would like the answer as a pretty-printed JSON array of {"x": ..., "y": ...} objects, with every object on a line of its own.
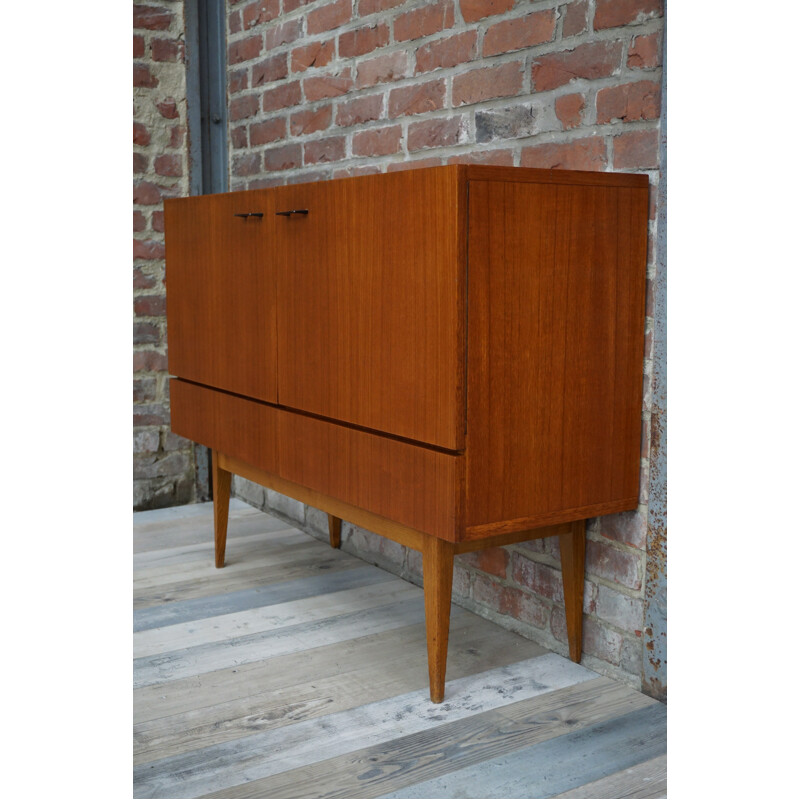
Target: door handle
[
  {"x": 293, "y": 211},
  {"x": 258, "y": 214}
]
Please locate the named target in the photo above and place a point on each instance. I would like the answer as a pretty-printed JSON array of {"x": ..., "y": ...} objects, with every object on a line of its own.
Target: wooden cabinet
[{"x": 450, "y": 357}]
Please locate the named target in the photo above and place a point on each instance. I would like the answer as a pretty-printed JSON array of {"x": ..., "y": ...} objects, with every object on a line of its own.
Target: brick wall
[
  {"x": 163, "y": 464},
  {"x": 330, "y": 88}
]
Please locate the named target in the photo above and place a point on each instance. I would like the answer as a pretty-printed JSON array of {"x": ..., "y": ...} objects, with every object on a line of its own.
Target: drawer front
[
  {"x": 224, "y": 422},
  {"x": 412, "y": 485}
]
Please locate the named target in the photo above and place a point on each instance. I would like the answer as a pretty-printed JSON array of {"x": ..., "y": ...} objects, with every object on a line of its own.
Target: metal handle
[
  {"x": 258, "y": 214},
  {"x": 293, "y": 211}
]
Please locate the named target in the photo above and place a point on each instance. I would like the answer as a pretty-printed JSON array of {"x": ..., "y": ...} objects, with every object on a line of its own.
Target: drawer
[
  {"x": 415, "y": 486},
  {"x": 233, "y": 425}
]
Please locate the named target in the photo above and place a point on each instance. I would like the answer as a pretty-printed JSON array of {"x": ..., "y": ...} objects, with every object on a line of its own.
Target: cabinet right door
[{"x": 371, "y": 313}]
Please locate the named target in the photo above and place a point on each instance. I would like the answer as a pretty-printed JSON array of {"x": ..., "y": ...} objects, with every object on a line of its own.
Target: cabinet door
[
  {"x": 372, "y": 312},
  {"x": 221, "y": 291}
]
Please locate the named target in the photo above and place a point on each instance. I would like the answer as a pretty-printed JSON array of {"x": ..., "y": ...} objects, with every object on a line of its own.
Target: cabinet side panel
[
  {"x": 220, "y": 277},
  {"x": 232, "y": 425},
  {"x": 405, "y": 483},
  {"x": 556, "y": 332}
]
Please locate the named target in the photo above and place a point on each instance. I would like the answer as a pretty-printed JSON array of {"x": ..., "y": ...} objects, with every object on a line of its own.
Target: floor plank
[{"x": 300, "y": 671}]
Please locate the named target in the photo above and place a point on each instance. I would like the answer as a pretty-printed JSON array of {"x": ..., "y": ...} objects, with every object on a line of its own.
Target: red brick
[
  {"x": 243, "y": 107},
  {"x": 238, "y": 81},
  {"x": 324, "y": 150},
  {"x": 434, "y": 133},
  {"x": 327, "y": 86},
  {"x": 516, "y": 34},
  {"x": 146, "y": 194},
  {"x": 366, "y": 7},
  {"x": 575, "y": 21},
  {"x": 316, "y": 54},
  {"x": 497, "y": 158},
  {"x": 494, "y": 561},
  {"x": 139, "y": 221},
  {"x": 287, "y": 157},
  {"x": 138, "y": 46},
  {"x": 645, "y": 51},
  {"x": 382, "y": 69},
  {"x": 260, "y": 12},
  {"x": 143, "y": 77},
  {"x": 363, "y": 40},
  {"x": 473, "y": 10},
  {"x": 265, "y": 132},
  {"x": 144, "y": 390},
  {"x": 509, "y": 601},
  {"x": 416, "y": 99},
  {"x": 588, "y": 154},
  {"x": 305, "y": 122},
  {"x": 449, "y": 52},
  {"x": 362, "y": 109},
  {"x": 177, "y": 135},
  {"x": 141, "y": 280},
  {"x": 636, "y": 150},
  {"x": 613, "y": 13},
  {"x": 291, "y": 5},
  {"x": 419, "y": 163},
  {"x": 270, "y": 70},
  {"x": 157, "y": 221},
  {"x": 234, "y": 22},
  {"x": 424, "y": 21},
  {"x": 612, "y": 564},
  {"x": 245, "y": 49},
  {"x": 378, "y": 141},
  {"x": 167, "y": 50},
  {"x": 283, "y": 96},
  {"x": 247, "y": 164},
  {"x": 484, "y": 84},
  {"x": 351, "y": 172},
  {"x": 140, "y": 134},
  {"x": 239, "y": 137},
  {"x": 150, "y": 305},
  {"x": 169, "y": 165},
  {"x": 148, "y": 250},
  {"x": 283, "y": 34},
  {"x": 569, "y": 110},
  {"x": 168, "y": 108},
  {"x": 149, "y": 361},
  {"x": 140, "y": 163},
  {"x": 537, "y": 577},
  {"x": 151, "y": 18},
  {"x": 146, "y": 333},
  {"x": 329, "y": 16},
  {"x": 592, "y": 60},
  {"x": 629, "y": 102}
]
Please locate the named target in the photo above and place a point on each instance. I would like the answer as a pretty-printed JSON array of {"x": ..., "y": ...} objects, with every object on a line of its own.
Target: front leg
[
  {"x": 335, "y": 530},
  {"x": 221, "y": 486},
  {"x": 437, "y": 578},
  {"x": 573, "y": 555}
]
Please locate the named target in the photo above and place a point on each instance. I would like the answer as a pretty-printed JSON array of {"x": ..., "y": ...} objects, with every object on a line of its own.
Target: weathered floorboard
[{"x": 300, "y": 671}]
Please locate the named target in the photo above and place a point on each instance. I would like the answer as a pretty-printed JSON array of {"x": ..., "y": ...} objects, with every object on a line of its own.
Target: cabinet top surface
[{"x": 479, "y": 172}]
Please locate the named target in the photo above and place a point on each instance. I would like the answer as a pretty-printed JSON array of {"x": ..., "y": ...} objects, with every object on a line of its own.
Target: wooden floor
[{"x": 300, "y": 671}]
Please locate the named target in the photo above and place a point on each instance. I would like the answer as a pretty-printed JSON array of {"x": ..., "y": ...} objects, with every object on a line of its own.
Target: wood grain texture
[
  {"x": 221, "y": 302},
  {"x": 648, "y": 779},
  {"x": 415, "y": 486},
  {"x": 225, "y": 423},
  {"x": 221, "y": 485},
  {"x": 437, "y": 576},
  {"x": 371, "y": 312},
  {"x": 556, "y": 338},
  {"x": 573, "y": 556},
  {"x": 333, "y": 709},
  {"x": 335, "y": 530},
  {"x": 566, "y": 177}
]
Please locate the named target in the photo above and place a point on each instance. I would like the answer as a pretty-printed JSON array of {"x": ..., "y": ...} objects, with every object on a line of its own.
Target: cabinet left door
[{"x": 220, "y": 281}]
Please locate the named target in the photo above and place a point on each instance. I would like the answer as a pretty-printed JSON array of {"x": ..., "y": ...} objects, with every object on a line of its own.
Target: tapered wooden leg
[
  {"x": 335, "y": 530},
  {"x": 573, "y": 554},
  {"x": 437, "y": 577},
  {"x": 221, "y": 483}
]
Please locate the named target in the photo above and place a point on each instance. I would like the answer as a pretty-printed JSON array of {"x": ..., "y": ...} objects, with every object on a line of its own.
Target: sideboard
[{"x": 450, "y": 357}]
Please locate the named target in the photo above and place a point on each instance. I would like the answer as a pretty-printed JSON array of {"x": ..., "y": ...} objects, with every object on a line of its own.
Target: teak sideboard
[{"x": 450, "y": 357}]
